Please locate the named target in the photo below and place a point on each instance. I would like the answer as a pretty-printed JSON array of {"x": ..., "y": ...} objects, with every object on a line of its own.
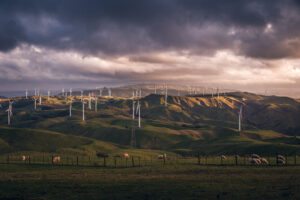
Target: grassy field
[
  {"x": 188, "y": 126},
  {"x": 153, "y": 182}
]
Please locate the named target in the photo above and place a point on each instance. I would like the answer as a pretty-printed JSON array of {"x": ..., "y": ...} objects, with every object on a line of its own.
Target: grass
[
  {"x": 201, "y": 124},
  {"x": 169, "y": 182}
]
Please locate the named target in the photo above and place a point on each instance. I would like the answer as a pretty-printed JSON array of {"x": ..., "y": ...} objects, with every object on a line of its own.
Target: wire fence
[{"x": 140, "y": 161}]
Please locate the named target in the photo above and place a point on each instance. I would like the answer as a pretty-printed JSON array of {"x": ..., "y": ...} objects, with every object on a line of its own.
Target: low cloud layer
[{"x": 250, "y": 45}]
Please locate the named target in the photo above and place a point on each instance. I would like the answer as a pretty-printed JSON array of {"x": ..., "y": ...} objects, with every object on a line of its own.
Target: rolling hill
[{"x": 189, "y": 123}]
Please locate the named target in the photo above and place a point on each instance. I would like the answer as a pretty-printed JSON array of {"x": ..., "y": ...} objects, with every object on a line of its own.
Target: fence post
[
  {"x": 77, "y": 161},
  {"x": 236, "y": 159},
  {"x": 51, "y": 159},
  {"x": 295, "y": 159},
  {"x": 139, "y": 161},
  {"x": 164, "y": 159},
  {"x": 115, "y": 159},
  {"x": 132, "y": 160},
  {"x": 198, "y": 158},
  {"x": 104, "y": 159}
]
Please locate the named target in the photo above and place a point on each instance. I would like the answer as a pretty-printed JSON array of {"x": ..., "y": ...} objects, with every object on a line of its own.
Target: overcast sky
[{"x": 247, "y": 45}]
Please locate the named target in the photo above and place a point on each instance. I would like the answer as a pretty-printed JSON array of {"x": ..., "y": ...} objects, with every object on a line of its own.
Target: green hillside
[{"x": 189, "y": 123}]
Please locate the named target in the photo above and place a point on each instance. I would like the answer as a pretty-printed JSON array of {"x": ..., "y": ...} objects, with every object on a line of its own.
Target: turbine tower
[
  {"x": 63, "y": 91},
  {"x": 139, "y": 107},
  {"x": 70, "y": 102},
  {"x": 34, "y": 91},
  {"x": 35, "y": 103},
  {"x": 70, "y": 92},
  {"x": 240, "y": 118},
  {"x": 48, "y": 95},
  {"x": 90, "y": 101},
  {"x": 83, "y": 117},
  {"x": 133, "y": 104},
  {"x": 81, "y": 95},
  {"x": 96, "y": 102},
  {"x": 40, "y": 102},
  {"x": 26, "y": 94},
  {"x": 8, "y": 117},
  {"x": 155, "y": 89},
  {"x": 100, "y": 92},
  {"x": 9, "y": 112}
]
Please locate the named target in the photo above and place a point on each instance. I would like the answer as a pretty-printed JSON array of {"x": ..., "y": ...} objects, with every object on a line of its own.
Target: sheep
[
  {"x": 281, "y": 161},
  {"x": 255, "y": 161},
  {"x": 223, "y": 157},
  {"x": 281, "y": 157},
  {"x": 56, "y": 159},
  {"x": 162, "y": 156},
  {"x": 126, "y": 155},
  {"x": 264, "y": 161},
  {"x": 255, "y": 156},
  {"x": 23, "y": 158}
]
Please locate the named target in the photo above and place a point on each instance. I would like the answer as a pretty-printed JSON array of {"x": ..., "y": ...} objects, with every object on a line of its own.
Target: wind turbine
[
  {"x": 26, "y": 94},
  {"x": 133, "y": 104},
  {"x": 109, "y": 92},
  {"x": 9, "y": 112},
  {"x": 8, "y": 116},
  {"x": 240, "y": 118},
  {"x": 90, "y": 101},
  {"x": 70, "y": 102},
  {"x": 155, "y": 89},
  {"x": 70, "y": 92},
  {"x": 40, "y": 102},
  {"x": 83, "y": 117},
  {"x": 35, "y": 102},
  {"x": 139, "y": 107},
  {"x": 96, "y": 101},
  {"x": 34, "y": 91},
  {"x": 48, "y": 95},
  {"x": 63, "y": 91},
  {"x": 100, "y": 92},
  {"x": 81, "y": 95}
]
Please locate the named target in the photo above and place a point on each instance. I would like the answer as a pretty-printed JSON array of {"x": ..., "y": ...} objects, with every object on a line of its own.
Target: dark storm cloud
[{"x": 120, "y": 27}]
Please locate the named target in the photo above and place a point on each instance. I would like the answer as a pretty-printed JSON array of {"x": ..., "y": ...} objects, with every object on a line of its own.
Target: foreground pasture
[{"x": 149, "y": 182}]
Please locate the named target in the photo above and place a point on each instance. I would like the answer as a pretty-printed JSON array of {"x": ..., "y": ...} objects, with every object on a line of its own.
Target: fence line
[{"x": 138, "y": 161}]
